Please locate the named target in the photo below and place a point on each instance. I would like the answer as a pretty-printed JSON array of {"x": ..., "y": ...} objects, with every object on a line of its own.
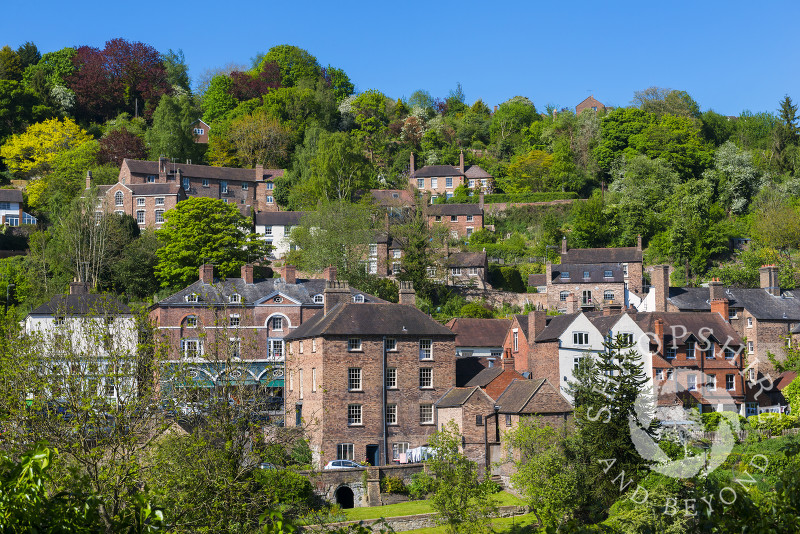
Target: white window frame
[
  {"x": 580, "y": 339},
  {"x": 159, "y": 216},
  {"x": 732, "y": 382},
  {"x": 319, "y": 299},
  {"x": 191, "y": 347},
  {"x": 223, "y": 187},
  {"x": 425, "y": 349},
  {"x": 159, "y": 201},
  {"x": 448, "y": 182},
  {"x": 234, "y": 320},
  {"x": 606, "y": 294},
  {"x": 355, "y": 415},
  {"x": 140, "y": 217},
  {"x": 434, "y": 183},
  {"x": 345, "y": 451},
  {"x": 515, "y": 336},
  {"x": 391, "y": 344},
  {"x": 354, "y": 379},
  {"x": 426, "y": 414},
  {"x": 354, "y": 344},
  {"x": 420, "y": 183},
  {"x": 691, "y": 382},
  {"x": 358, "y": 299},
  {"x": 140, "y": 202},
  {"x": 426, "y": 378},
  {"x": 119, "y": 198},
  {"x": 391, "y": 414},
  {"x": 711, "y": 382},
  {"x": 391, "y": 378}
]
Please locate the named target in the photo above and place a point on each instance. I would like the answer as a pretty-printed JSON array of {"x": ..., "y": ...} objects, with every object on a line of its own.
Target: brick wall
[
  {"x": 460, "y": 225},
  {"x": 597, "y": 290},
  {"x": 544, "y": 362}
]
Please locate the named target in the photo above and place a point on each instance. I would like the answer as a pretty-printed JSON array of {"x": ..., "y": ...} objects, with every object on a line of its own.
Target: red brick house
[
  {"x": 363, "y": 378},
  {"x": 591, "y": 104},
  {"x": 494, "y": 380},
  {"x": 200, "y": 131},
  {"x": 442, "y": 180},
  {"x": 467, "y": 407},
  {"x": 460, "y": 219}
]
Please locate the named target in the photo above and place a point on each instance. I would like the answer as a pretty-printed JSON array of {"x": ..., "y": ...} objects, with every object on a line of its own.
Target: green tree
[
  {"x": 171, "y": 133},
  {"x": 28, "y": 54},
  {"x": 369, "y": 109},
  {"x": 177, "y": 70},
  {"x": 616, "y": 129},
  {"x": 217, "y": 100},
  {"x": 338, "y": 169},
  {"x": 476, "y": 311},
  {"x": 259, "y": 138},
  {"x": 528, "y": 173},
  {"x": 590, "y": 226},
  {"x": 204, "y": 230},
  {"x": 775, "y": 221},
  {"x": 296, "y": 64},
  {"x": 33, "y": 151},
  {"x": 10, "y": 64},
  {"x": 737, "y": 178},
  {"x": 679, "y": 141},
  {"x": 510, "y": 120},
  {"x": 340, "y": 82},
  {"x": 20, "y": 107},
  {"x": 461, "y": 498},
  {"x": 661, "y": 101}
]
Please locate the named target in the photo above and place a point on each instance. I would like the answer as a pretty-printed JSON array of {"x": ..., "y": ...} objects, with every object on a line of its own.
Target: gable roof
[
  {"x": 536, "y": 280},
  {"x": 697, "y": 325},
  {"x": 479, "y": 332},
  {"x": 596, "y": 272},
  {"x": 467, "y": 259},
  {"x": 191, "y": 170},
  {"x": 454, "y": 209},
  {"x": 602, "y": 255},
  {"x": 392, "y": 197},
  {"x": 458, "y": 396},
  {"x": 485, "y": 377},
  {"x": 522, "y": 322},
  {"x": 520, "y": 397},
  {"x": 284, "y": 218},
  {"x": 476, "y": 172},
  {"x": 758, "y": 302},
  {"x": 11, "y": 195},
  {"x": 351, "y": 319},
  {"x": 434, "y": 171},
  {"x": 556, "y": 326},
  {"x": 154, "y": 189},
  {"x": 89, "y": 304}
]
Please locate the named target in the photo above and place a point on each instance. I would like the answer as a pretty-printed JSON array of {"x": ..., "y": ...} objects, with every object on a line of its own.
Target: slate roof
[
  {"x": 456, "y": 397},
  {"x": 392, "y": 197},
  {"x": 476, "y": 172},
  {"x": 91, "y": 304},
  {"x": 485, "y": 377},
  {"x": 698, "y": 325},
  {"x": 279, "y": 218},
  {"x": 303, "y": 292},
  {"x": 154, "y": 189},
  {"x": 522, "y": 321},
  {"x": 555, "y": 327},
  {"x": 536, "y": 280},
  {"x": 11, "y": 195},
  {"x": 520, "y": 397},
  {"x": 602, "y": 255},
  {"x": 454, "y": 209},
  {"x": 603, "y": 323},
  {"x": 466, "y": 368},
  {"x": 757, "y": 301},
  {"x": 348, "y": 319},
  {"x": 190, "y": 170},
  {"x": 467, "y": 259},
  {"x": 596, "y": 273},
  {"x": 435, "y": 171},
  {"x": 479, "y": 332}
]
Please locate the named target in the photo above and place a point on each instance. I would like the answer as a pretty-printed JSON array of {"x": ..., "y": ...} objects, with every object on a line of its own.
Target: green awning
[{"x": 275, "y": 383}]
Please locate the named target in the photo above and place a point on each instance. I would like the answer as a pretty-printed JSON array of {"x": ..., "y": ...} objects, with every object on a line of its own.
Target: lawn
[
  {"x": 415, "y": 507},
  {"x": 516, "y": 525}
]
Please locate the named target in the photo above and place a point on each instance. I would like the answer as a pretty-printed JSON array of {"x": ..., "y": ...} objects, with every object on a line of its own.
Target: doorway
[{"x": 373, "y": 454}]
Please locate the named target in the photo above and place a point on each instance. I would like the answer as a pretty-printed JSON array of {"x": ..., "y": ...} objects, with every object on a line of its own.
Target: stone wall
[
  {"x": 498, "y": 298},
  {"x": 414, "y": 522}
]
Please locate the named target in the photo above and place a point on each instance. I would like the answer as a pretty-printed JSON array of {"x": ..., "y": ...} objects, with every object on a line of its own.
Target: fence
[{"x": 741, "y": 435}]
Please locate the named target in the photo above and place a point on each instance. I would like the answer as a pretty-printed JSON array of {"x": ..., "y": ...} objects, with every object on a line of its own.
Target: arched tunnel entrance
[{"x": 344, "y": 497}]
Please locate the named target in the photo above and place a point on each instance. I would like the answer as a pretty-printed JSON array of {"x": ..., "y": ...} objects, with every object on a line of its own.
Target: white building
[
  {"x": 276, "y": 227},
  {"x": 11, "y": 212}
]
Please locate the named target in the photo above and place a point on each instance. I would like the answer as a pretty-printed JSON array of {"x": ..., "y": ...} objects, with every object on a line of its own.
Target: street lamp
[{"x": 9, "y": 287}]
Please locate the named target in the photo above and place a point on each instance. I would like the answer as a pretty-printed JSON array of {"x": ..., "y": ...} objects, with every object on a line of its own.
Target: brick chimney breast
[
  {"x": 720, "y": 306},
  {"x": 408, "y": 296},
  {"x": 336, "y": 291},
  {"x": 715, "y": 290},
  {"x": 537, "y": 321},
  {"x": 768, "y": 276},
  {"x": 247, "y": 273},
  {"x": 78, "y": 288},
  {"x": 660, "y": 283},
  {"x": 289, "y": 274},
  {"x": 207, "y": 273},
  {"x": 658, "y": 326},
  {"x": 329, "y": 273},
  {"x": 508, "y": 361}
]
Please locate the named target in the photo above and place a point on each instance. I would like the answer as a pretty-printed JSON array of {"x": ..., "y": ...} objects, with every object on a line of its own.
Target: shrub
[
  {"x": 773, "y": 423},
  {"x": 512, "y": 280},
  {"x": 475, "y": 310},
  {"x": 393, "y": 485},
  {"x": 711, "y": 420},
  {"x": 286, "y": 487},
  {"x": 421, "y": 485}
]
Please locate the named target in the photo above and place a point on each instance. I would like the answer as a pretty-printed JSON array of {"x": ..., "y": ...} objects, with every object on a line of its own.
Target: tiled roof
[
  {"x": 485, "y": 377},
  {"x": 602, "y": 255},
  {"x": 596, "y": 273},
  {"x": 535, "y": 280},
  {"x": 454, "y": 209},
  {"x": 698, "y": 325},
  {"x": 347, "y": 319},
  {"x": 280, "y": 218},
  {"x": 455, "y": 397},
  {"x": 479, "y": 332},
  {"x": 154, "y": 189},
  {"x": 762, "y": 305},
  {"x": 467, "y": 259},
  {"x": 392, "y": 197},
  {"x": 532, "y": 397},
  {"x": 85, "y": 304},
  {"x": 435, "y": 171},
  {"x": 476, "y": 172},
  {"x": 466, "y": 368},
  {"x": 555, "y": 327},
  {"x": 202, "y": 171},
  {"x": 522, "y": 321},
  {"x": 10, "y": 195}
]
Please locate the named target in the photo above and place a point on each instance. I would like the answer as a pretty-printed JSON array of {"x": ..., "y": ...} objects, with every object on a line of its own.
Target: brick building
[
  {"x": 145, "y": 189},
  {"x": 460, "y": 219},
  {"x": 468, "y": 407},
  {"x": 520, "y": 337},
  {"x": 467, "y": 269},
  {"x": 494, "y": 380},
  {"x": 442, "y": 180},
  {"x": 591, "y": 104},
  {"x": 200, "y": 131},
  {"x": 364, "y": 378}
]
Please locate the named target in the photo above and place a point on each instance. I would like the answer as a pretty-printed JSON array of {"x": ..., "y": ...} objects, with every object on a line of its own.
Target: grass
[
  {"x": 516, "y": 525},
  {"x": 415, "y": 507}
]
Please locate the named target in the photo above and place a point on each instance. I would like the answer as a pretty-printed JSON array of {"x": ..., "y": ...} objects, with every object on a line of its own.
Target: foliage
[
  {"x": 393, "y": 485},
  {"x": 775, "y": 222},
  {"x": 744, "y": 272},
  {"x": 772, "y": 423},
  {"x": 422, "y": 484},
  {"x": 476, "y": 311},
  {"x": 118, "y": 144},
  {"x": 296, "y": 64},
  {"x": 259, "y": 139},
  {"x": 176, "y": 69},
  {"x": 529, "y": 172},
  {"x": 171, "y": 133},
  {"x": 217, "y": 99},
  {"x": 461, "y": 498},
  {"x": 505, "y": 278},
  {"x": 711, "y": 420},
  {"x": 792, "y": 394},
  {"x": 204, "y": 230},
  {"x": 33, "y": 151},
  {"x": 19, "y": 108}
]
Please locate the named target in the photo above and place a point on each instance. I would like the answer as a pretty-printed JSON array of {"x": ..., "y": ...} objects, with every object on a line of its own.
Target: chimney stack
[
  {"x": 508, "y": 361},
  {"x": 480, "y": 200},
  {"x": 259, "y": 171},
  {"x": 660, "y": 283},
  {"x": 162, "y": 168},
  {"x": 768, "y": 275},
  {"x": 88, "y": 179},
  {"x": 715, "y": 289},
  {"x": 78, "y": 288},
  {"x": 572, "y": 303},
  {"x": 461, "y": 162},
  {"x": 411, "y": 163},
  {"x": 721, "y": 307},
  {"x": 564, "y": 245},
  {"x": 658, "y": 326},
  {"x": 247, "y": 273},
  {"x": 329, "y": 273},
  {"x": 289, "y": 273},
  {"x": 639, "y": 242},
  {"x": 407, "y": 294},
  {"x": 207, "y": 273},
  {"x": 537, "y": 321},
  {"x": 336, "y": 291}
]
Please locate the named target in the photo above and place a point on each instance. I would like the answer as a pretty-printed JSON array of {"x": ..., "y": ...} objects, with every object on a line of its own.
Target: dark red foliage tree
[
  {"x": 120, "y": 144},
  {"x": 246, "y": 87},
  {"x": 97, "y": 94}
]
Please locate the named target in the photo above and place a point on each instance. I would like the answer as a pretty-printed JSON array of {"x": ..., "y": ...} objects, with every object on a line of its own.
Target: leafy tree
[
  {"x": 590, "y": 223},
  {"x": 53, "y": 192},
  {"x": 678, "y": 140},
  {"x": 295, "y": 63},
  {"x": 717, "y": 128},
  {"x": 204, "y": 230},
  {"x": 775, "y": 222},
  {"x": 28, "y": 54},
  {"x": 462, "y": 499},
  {"x": 116, "y": 145},
  {"x": 475, "y": 310},
  {"x": 369, "y": 109},
  {"x": 217, "y": 99},
  {"x": 528, "y": 173},
  {"x": 33, "y": 151},
  {"x": 171, "y": 134},
  {"x": 616, "y": 129},
  {"x": 340, "y": 83},
  {"x": 754, "y": 130},
  {"x": 176, "y": 70},
  {"x": 10, "y": 64},
  {"x": 510, "y": 120},
  {"x": 259, "y": 138},
  {"x": 133, "y": 271},
  {"x": 249, "y": 85},
  {"x": 50, "y": 71},
  {"x": 660, "y": 101},
  {"x": 736, "y": 177},
  {"x": 338, "y": 169},
  {"x": 19, "y": 108}
]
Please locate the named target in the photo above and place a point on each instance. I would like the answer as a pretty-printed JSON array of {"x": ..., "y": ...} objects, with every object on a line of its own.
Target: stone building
[
  {"x": 363, "y": 378},
  {"x": 442, "y": 180}
]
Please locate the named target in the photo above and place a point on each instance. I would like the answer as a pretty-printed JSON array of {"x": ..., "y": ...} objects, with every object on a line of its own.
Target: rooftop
[{"x": 479, "y": 332}]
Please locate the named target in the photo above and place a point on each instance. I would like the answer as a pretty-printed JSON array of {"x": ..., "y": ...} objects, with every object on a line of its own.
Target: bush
[
  {"x": 421, "y": 485},
  {"x": 546, "y": 196},
  {"x": 393, "y": 485},
  {"x": 711, "y": 420},
  {"x": 285, "y": 487},
  {"x": 476, "y": 311},
  {"x": 773, "y": 423},
  {"x": 512, "y": 280}
]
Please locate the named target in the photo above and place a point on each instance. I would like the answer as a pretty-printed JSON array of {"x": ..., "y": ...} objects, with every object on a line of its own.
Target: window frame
[
  {"x": 426, "y": 414},
  {"x": 345, "y": 451},
  {"x": 426, "y": 349},
  {"x": 354, "y": 344},
  {"x": 391, "y": 378},
  {"x": 355, "y": 379},
  {"x": 355, "y": 415},
  {"x": 391, "y": 414},
  {"x": 426, "y": 378}
]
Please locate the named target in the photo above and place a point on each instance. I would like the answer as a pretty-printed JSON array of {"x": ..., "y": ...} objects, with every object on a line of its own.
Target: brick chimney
[
  {"x": 564, "y": 245},
  {"x": 658, "y": 326},
  {"x": 336, "y": 291},
  {"x": 660, "y": 284},
  {"x": 721, "y": 307},
  {"x": 289, "y": 273},
  {"x": 572, "y": 303},
  {"x": 247, "y": 273},
  {"x": 715, "y": 290},
  {"x": 639, "y": 242},
  {"x": 78, "y": 288},
  {"x": 461, "y": 162},
  {"x": 768, "y": 275},
  {"x": 548, "y": 273},
  {"x": 178, "y": 177},
  {"x": 329, "y": 273},
  {"x": 207, "y": 273},
  {"x": 88, "y": 179},
  {"x": 411, "y": 168},
  {"x": 537, "y": 321},
  {"x": 508, "y": 361},
  {"x": 259, "y": 172},
  {"x": 480, "y": 200},
  {"x": 162, "y": 168},
  {"x": 407, "y": 294}
]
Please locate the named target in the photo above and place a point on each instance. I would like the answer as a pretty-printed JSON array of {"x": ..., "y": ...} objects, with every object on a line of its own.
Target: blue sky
[{"x": 729, "y": 55}]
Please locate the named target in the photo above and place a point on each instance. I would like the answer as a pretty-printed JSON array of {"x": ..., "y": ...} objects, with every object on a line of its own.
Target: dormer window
[
  {"x": 358, "y": 298},
  {"x": 235, "y": 298},
  {"x": 565, "y": 275},
  {"x": 319, "y": 299},
  {"x": 586, "y": 274},
  {"x": 58, "y": 321},
  {"x": 607, "y": 274},
  {"x": 192, "y": 297}
]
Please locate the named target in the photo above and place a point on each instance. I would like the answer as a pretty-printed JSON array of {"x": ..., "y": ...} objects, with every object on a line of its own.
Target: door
[{"x": 373, "y": 454}]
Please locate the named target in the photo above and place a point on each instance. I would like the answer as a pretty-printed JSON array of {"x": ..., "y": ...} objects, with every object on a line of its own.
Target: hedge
[{"x": 503, "y": 197}]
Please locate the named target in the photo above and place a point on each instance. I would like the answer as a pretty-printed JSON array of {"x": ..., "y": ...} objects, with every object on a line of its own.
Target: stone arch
[{"x": 345, "y": 497}]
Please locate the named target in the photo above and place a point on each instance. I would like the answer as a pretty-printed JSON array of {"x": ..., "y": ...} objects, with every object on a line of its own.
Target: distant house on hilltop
[
  {"x": 442, "y": 180},
  {"x": 590, "y": 103}
]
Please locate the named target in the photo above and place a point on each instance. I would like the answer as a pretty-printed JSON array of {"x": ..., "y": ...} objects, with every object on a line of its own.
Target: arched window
[
  {"x": 318, "y": 299},
  {"x": 191, "y": 321},
  {"x": 235, "y": 298},
  {"x": 118, "y": 198},
  {"x": 358, "y": 298}
]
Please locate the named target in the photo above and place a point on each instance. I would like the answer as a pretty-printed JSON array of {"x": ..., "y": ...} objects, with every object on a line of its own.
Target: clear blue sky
[{"x": 729, "y": 55}]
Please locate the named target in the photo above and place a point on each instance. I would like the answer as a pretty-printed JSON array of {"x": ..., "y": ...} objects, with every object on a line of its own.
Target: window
[
  {"x": 396, "y": 268},
  {"x": 233, "y": 319},
  {"x": 729, "y": 354},
  {"x": 586, "y": 274},
  {"x": 205, "y": 182},
  {"x": 425, "y": 349},
  {"x": 455, "y": 271},
  {"x": 434, "y": 183},
  {"x": 690, "y": 350},
  {"x": 749, "y": 322},
  {"x": 470, "y": 230},
  {"x": 473, "y": 271},
  {"x": 608, "y": 295},
  {"x": 659, "y": 374},
  {"x": 140, "y": 216},
  {"x": 671, "y": 353},
  {"x": 110, "y": 389},
  {"x": 199, "y": 131},
  {"x": 426, "y": 377},
  {"x": 426, "y": 414},
  {"x": 245, "y": 186},
  {"x": 670, "y": 373},
  {"x": 691, "y": 382},
  {"x": 391, "y": 344},
  {"x": 223, "y": 187},
  {"x": 159, "y": 216},
  {"x": 732, "y": 313},
  {"x": 420, "y": 183},
  {"x": 344, "y": 451},
  {"x": 159, "y": 201},
  {"x": 565, "y": 275},
  {"x": 478, "y": 420},
  {"x": 191, "y": 348},
  {"x": 354, "y": 344},
  {"x": 268, "y": 231},
  {"x": 391, "y": 414},
  {"x": 140, "y": 201},
  {"x": 580, "y": 338},
  {"x": 626, "y": 339},
  {"x": 373, "y": 249},
  {"x": 372, "y": 268},
  {"x": 354, "y": 415},
  {"x": 711, "y": 383},
  {"x": 276, "y": 349},
  {"x": 314, "y": 345},
  {"x": 398, "y": 449},
  {"x": 430, "y": 271},
  {"x": 270, "y": 200},
  {"x": 469, "y": 218},
  {"x": 454, "y": 218},
  {"x": 58, "y": 321},
  {"x": 750, "y": 347},
  {"x": 484, "y": 182},
  {"x": 7, "y": 205},
  {"x": 235, "y": 349},
  {"x": 448, "y": 183},
  {"x": 397, "y": 254},
  {"x": 625, "y": 270},
  {"x": 277, "y": 323},
  {"x": 354, "y": 379},
  {"x": 438, "y": 218},
  {"x": 319, "y": 299},
  {"x": 608, "y": 274},
  {"x": 729, "y": 384},
  {"x": 563, "y": 296},
  {"x": 508, "y": 419},
  {"x": 751, "y": 375},
  {"x": 515, "y": 335},
  {"x": 151, "y": 178},
  {"x": 278, "y": 299},
  {"x": 576, "y": 362},
  {"x": 391, "y": 378},
  {"x": 186, "y": 184},
  {"x": 709, "y": 353},
  {"x": 235, "y": 298},
  {"x": 471, "y": 184},
  {"x": 359, "y": 299},
  {"x": 270, "y": 186},
  {"x": 313, "y": 379},
  {"x": 192, "y": 297},
  {"x": 191, "y": 321},
  {"x": 118, "y": 198},
  {"x": 300, "y": 347}
]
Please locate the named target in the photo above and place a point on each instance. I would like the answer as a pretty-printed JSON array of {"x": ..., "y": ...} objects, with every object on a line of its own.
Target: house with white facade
[
  {"x": 11, "y": 213},
  {"x": 276, "y": 228}
]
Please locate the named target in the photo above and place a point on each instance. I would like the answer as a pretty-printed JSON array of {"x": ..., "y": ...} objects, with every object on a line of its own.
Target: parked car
[{"x": 343, "y": 464}]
